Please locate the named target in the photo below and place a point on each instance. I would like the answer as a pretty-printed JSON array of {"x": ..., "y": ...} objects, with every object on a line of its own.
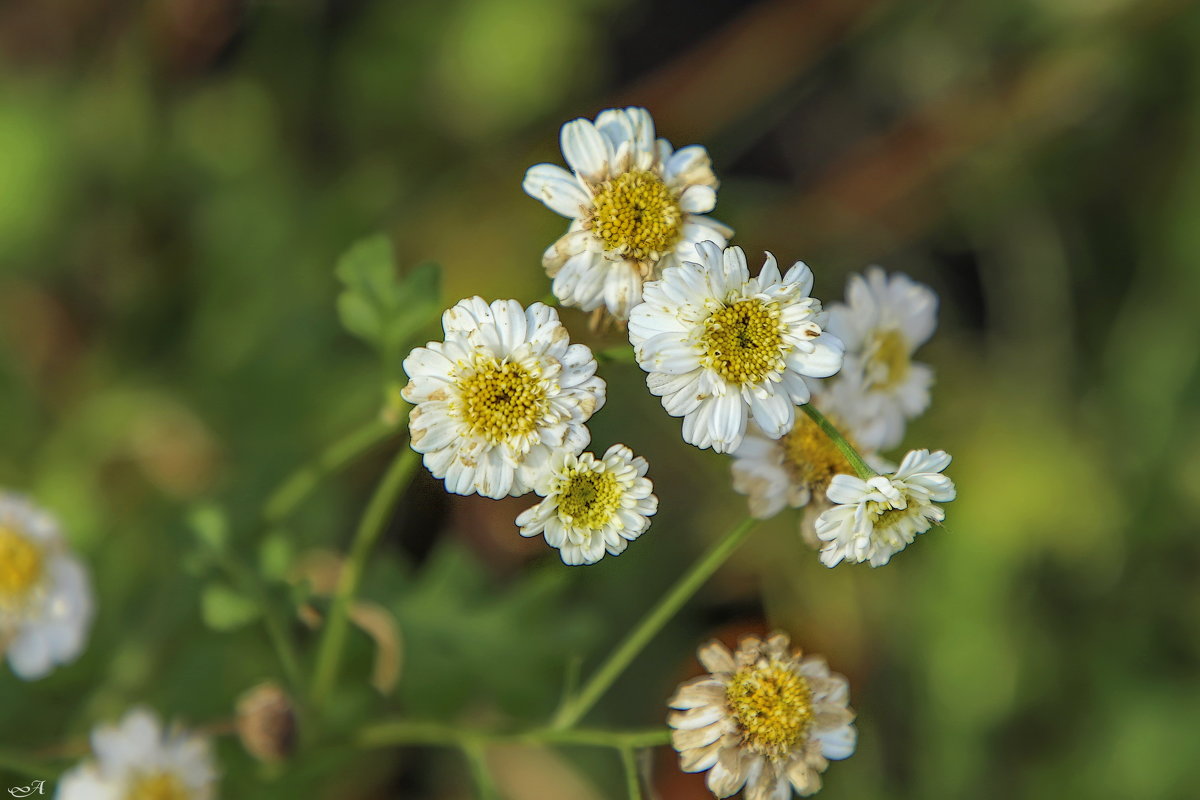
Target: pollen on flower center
[
  {"x": 589, "y": 499},
  {"x": 636, "y": 214},
  {"x": 21, "y": 566},
  {"x": 743, "y": 341},
  {"x": 887, "y": 360},
  {"x": 772, "y": 705},
  {"x": 502, "y": 400},
  {"x": 811, "y": 458},
  {"x": 157, "y": 786}
]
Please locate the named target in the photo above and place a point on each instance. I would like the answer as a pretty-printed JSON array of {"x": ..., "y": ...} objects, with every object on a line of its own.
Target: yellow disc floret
[
  {"x": 743, "y": 341},
  {"x": 588, "y": 499},
  {"x": 502, "y": 400},
  {"x": 772, "y": 705},
  {"x": 157, "y": 786},
  {"x": 21, "y": 567},
  {"x": 637, "y": 215},
  {"x": 811, "y": 458},
  {"x": 887, "y": 360}
]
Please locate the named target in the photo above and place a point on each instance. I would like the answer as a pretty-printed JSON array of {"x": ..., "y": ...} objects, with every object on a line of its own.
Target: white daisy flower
[
  {"x": 872, "y": 520},
  {"x": 137, "y": 760},
  {"x": 635, "y": 205},
  {"x": 885, "y": 319},
  {"x": 719, "y": 345},
  {"x": 504, "y": 391},
  {"x": 46, "y": 602},
  {"x": 592, "y": 505},
  {"x": 765, "y": 718}
]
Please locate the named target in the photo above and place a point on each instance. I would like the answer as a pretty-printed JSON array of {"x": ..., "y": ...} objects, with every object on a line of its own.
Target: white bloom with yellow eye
[
  {"x": 592, "y": 505},
  {"x": 137, "y": 759},
  {"x": 502, "y": 393},
  {"x": 765, "y": 719},
  {"x": 872, "y": 520},
  {"x": 721, "y": 347},
  {"x": 46, "y": 601},
  {"x": 636, "y": 205},
  {"x": 884, "y": 320}
]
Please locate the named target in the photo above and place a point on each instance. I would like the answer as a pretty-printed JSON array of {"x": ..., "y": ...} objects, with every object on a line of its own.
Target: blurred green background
[{"x": 177, "y": 180}]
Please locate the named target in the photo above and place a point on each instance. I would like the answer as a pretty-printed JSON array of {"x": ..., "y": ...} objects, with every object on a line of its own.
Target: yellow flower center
[
  {"x": 158, "y": 786},
  {"x": 588, "y": 499},
  {"x": 502, "y": 400},
  {"x": 636, "y": 214},
  {"x": 743, "y": 341},
  {"x": 772, "y": 705},
  {"x": 887, "y": 360},
  {"x": 811, "y": 458},
  {"x": 21, "y": 567}
]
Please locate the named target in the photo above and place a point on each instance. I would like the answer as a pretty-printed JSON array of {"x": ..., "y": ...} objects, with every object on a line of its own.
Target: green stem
[
  {"x": 633, "y": 780},
  {"x": 574, "y": 710},
  {"x": 273, "y": 621},
  {"x": 393, "y": 734},
  {"x": 476, "y": 753},
  {"x": 293, "y": 491},
  {"x": 856, "y": 461},
  {"x": 370, "y": 527}
]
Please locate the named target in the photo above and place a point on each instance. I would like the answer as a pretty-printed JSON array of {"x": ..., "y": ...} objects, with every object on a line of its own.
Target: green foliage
[
  {"x": 377, "y": 306},
  {"x": 224, "y": 609}
]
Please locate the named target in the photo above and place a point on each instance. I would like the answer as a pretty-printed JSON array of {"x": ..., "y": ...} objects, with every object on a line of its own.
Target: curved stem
[
  {"x": 410, "y": 732},
  {"x": 476, "y": 753},
  {"x": 633, "y": 780},
  {"x": 856, "y": 461},
  {"x": 370, "y": 527},
  {"x": 574, "y": 710},
  {"x": 297, "y": 487}
]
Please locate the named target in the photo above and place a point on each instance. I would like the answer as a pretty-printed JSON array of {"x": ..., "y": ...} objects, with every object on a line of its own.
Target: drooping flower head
[
  {"x": 46, "y": 602},
  {"x": 872, "y": 520},
  {"x": 592, "y": 505},
  {"x": 766, "y": 718},
  {"x": 504, "y": 391},
  {"x": 635, "y": 205},
  {"x": 884, "y": 320},
  {"x": 720, "y": 346},
  {"x": 137, "y": 759}
]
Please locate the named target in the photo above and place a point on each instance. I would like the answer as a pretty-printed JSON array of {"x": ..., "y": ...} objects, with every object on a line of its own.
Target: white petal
[
  {"x": 557, "y": 188},
  {"x": 585, "y": 150}
]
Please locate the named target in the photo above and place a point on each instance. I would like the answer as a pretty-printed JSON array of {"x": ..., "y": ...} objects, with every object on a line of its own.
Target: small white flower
[
  {"x": 137, "y": 760},
  {"x": 504, "y": 391},
  {"x": 592, "y": 505},
  {"x": 720, "y": 346},
  {"x": 766, "y": 718},
  {"x": 794, "y": 470},
  {"x": 874, "y": 519},
  {"x": 635, "y": 205},
  {"x": 46, "y": 602},
  {"x": 885, "y": 319}
]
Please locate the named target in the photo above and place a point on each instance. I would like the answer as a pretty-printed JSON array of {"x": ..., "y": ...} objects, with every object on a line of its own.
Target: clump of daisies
[{"x": 46, "y": 602}]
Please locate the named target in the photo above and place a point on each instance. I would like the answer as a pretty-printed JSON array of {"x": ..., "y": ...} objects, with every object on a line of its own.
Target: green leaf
[
  {"x": 275, "y": 556},
  {"x": 224, "y": 609},
  {"x": 211, "y": 527},
  {"x": 379, "y": 307}
]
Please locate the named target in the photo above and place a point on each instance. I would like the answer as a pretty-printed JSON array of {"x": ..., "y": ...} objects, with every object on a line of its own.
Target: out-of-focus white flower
[
  {"x": 636, "y": 205},
  {"x": 765, "y": 718},
  {"x": 592, "y": 505},
  {"x": 504, "y": 391},
  {"x": 872, "y": 520},
  {"x": 720, "y": 346},
  {"x": 137, "y": 760},
  {"x": 884, "y": 320},
  {"x": 46, "y": 602}
]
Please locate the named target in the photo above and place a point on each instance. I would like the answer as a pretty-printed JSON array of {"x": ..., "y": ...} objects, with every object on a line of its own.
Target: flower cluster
[{"x": 807, "y": 401}]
